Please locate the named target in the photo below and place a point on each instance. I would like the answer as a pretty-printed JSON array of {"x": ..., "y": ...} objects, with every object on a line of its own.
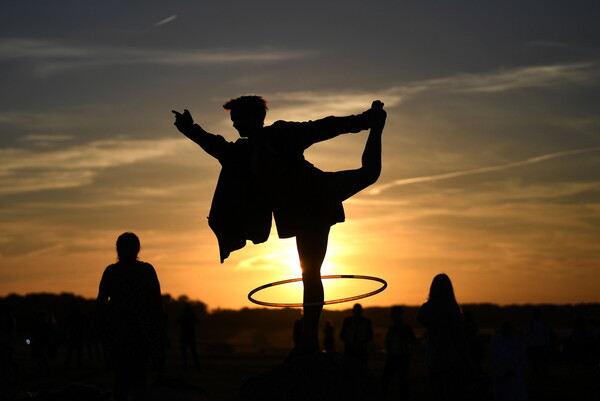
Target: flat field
[{"x": 221, "y": 376}]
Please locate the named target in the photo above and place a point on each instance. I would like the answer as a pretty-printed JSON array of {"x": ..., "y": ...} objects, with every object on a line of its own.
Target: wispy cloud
[
  {"x": 302, "y": 105},
  {"x": 262, "y": 262},
  {"x": 544, "y": 76},
  {"x": 46, "y": 138},
  {"x": 522, "y": 78},
  {"x": 55, "y": 56},
  {"x": 25, "y": 170},
  {"x": 43, "y": 121},
  {"x": 166, "y": 20},
  {"x": 537, "y": 159}
]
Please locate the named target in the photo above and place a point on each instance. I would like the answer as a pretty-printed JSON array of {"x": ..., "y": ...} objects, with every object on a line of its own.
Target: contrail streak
[
  {"x": 537, "y": 159},
  {"x": 165, "y": 21}
]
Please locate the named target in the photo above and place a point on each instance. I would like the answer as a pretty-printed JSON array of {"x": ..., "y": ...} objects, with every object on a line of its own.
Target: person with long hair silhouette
[
  {"x": 265, "y": 172},
  {"x": 130, "y": 317},
  {"x": 446, "y": 356}
]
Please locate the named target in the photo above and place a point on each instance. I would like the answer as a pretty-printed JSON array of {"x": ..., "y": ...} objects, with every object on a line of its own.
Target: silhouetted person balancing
[
  {"x": 130, "y": 317},
  {"x": 265, "y": 172}
]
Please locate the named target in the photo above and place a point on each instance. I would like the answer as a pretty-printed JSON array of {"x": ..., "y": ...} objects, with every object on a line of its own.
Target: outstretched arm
[
  {"x": 214, "y": 145},
  {"x": 311, "y": 132}
]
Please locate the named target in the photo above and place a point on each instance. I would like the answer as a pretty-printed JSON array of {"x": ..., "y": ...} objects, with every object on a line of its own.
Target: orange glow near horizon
[
  {"x": 497, "y": 223},
  {"x": 277, "y": 260}
]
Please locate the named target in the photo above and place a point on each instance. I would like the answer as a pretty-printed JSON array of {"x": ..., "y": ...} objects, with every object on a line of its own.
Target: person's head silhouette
[
  {"x": 247, "y": 114},
  {"x": 441, "y": 289},
  {"x": 396, "y": 313},
  {"x": 128, "y": 247},
  {"x": 357, "y": 310}
]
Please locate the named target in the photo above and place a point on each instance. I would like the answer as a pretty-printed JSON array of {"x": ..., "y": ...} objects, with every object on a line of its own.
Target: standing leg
[
  {"x": 312, "y": 247},
  {"x": 312, "y": 241}
]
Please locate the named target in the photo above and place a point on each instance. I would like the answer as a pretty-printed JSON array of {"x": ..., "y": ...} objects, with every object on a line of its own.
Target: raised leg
[{"x": 345, "y": 184}]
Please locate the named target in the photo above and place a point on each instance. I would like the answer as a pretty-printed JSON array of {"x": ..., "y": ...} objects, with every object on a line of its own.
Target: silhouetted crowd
[
  {"x": 456, "y": 351},
  {"x": 463, "y": 362}
]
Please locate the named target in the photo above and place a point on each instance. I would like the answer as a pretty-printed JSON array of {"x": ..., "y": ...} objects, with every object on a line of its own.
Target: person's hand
[
  {"x": 377, "y": 105},
  {"x": 183, "y": 121},
  {"x": 377, "y": 114}
]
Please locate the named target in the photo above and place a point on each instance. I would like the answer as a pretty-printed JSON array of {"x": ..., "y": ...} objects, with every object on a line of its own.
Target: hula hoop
[{"x": 330, "y": 302}]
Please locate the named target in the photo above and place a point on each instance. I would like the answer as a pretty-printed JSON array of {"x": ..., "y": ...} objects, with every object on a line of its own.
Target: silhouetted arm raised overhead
[{"x": 214, "y": 145}]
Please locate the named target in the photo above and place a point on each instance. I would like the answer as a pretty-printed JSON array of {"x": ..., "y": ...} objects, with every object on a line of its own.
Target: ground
[{"x": 223, "y": 374}]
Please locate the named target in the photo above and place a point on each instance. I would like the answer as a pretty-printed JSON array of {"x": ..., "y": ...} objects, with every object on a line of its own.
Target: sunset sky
[{"x": 491, "y": 161}]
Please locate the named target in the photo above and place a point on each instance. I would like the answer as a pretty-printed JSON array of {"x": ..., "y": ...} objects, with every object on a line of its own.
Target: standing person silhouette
[
  {"x": 8, "y": 335},
  {"x": 187, "y": 335},
  {"x": 130, "y": 317},
  {"x": 538, "y": 339},
  {"x": 399, "y": 341},
  {"x": 328, "y": 338},
  {"x": 75, "y": 328},
  {"x": 446, "y": 358},
  {"x": 297, "y": 331},
  {"x": 265, "y": 172},
  {"x": 357, "y": 333},
  {"x": 507, "y": 355}
]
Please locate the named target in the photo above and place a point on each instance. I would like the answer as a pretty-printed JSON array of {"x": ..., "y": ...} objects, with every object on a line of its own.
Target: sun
[
  {"x": 281, "y": 262},
  {"x": 278, "y": 260},
  {"x": 288, "y": 256}
]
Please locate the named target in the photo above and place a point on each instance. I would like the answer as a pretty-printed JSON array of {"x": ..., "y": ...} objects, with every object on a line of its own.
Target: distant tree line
[{"x": 221, "y": 324}]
